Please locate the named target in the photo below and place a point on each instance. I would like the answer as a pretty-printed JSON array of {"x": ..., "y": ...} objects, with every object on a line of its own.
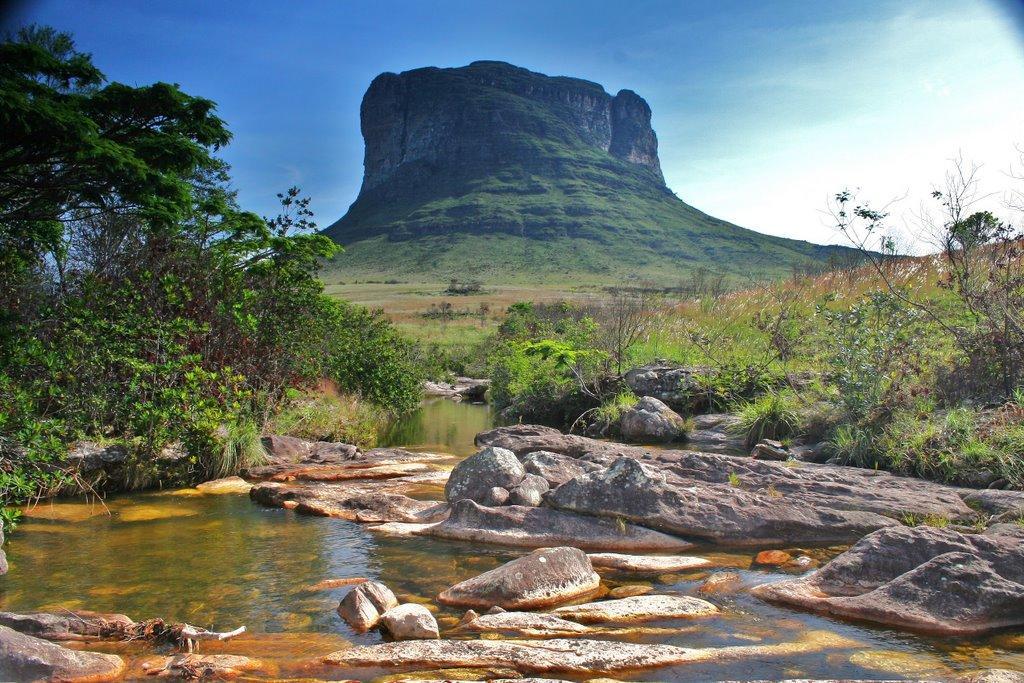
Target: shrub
[
  {"x": 241, "y": 448},
  {"x": 329, "y": 417},
  {"x": 771, "y": 416}
]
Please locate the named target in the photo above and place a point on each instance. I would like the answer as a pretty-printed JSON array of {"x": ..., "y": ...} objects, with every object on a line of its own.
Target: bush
[
  {"x": 774, "y": 415},
  {"x": 329, "y": 417},
  {"x": 241, "y": 448}
]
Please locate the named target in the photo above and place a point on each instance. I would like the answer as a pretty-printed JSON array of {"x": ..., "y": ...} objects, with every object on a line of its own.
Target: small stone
[
  {"x": 772, "y": 558},
  {"x": 409, "y": 622}
]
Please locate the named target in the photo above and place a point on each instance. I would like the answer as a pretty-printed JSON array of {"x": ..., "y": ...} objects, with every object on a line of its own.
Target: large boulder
[
  {"x": 638, "y": 608},
  {"x": 409, "y": 622},
  {"x": 545, "y": 577},
  {"x": 714, "y": 512},
  {"x": 920, "y": 578},
  {"x": 822, "y": 486},
  {"x": 542, "y": 527},
  {"x": 476, "y": 475},
  {"x": 364, "y": 605},
  {"x": 555, "y": 468},
  {"x": 650, "y": 420},
  {"x": 26, "y": 658}
]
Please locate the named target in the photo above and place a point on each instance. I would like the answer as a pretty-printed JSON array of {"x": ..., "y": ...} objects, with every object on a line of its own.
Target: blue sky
[{"x": 762, "y": 108}]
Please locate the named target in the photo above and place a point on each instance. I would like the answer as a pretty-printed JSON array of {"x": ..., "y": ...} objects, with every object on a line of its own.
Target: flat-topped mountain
[{"x": 497, "y": 172}]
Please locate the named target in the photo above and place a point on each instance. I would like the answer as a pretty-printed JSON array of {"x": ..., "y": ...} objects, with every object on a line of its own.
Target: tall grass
[
  {"x": 774, "y": 415},
  {"x": 330, "y": 417},
  {"x": 241, "y": 448}
]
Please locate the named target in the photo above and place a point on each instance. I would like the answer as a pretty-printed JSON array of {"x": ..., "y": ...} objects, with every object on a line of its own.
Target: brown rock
[
  {"x": 920, "y": 578},
  {"x": 630, "y": 590},
  {"x": 25, "y": 658},
  {"x": 544, "y": 577},
  {"x": 772, "y": 558},
  {"x": 530, "y": 624},
  {"x": 541, "y": 527},
  {"x": 363, "y": 606},
  {"x": 81, "y": 625},
  {"x": 722, "y": 582},
  {"x": 205, "y": 667},
  {"x": 357, "y": 503},
  {"x": 328, "y": 584},
  {"x": 638, "y": 609}
]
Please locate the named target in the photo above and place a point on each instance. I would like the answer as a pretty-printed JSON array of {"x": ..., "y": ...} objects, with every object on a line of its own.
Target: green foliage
[
  {"x": 241, "y": 448},
  {"x": 774, "y": 415},
  {"x": 611, "y": 409},
  {"x": 329, "y": 417}
]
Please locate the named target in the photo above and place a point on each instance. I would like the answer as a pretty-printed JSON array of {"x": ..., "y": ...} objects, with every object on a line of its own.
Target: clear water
[{"x": 220, "y": 561}]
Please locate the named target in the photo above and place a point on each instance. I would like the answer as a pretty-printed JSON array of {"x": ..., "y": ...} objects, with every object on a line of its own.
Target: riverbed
[{"x": 220, "y": 561}]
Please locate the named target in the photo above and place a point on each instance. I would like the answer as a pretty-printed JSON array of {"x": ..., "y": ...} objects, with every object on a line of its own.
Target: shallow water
[{"x": 220, "y": 561}]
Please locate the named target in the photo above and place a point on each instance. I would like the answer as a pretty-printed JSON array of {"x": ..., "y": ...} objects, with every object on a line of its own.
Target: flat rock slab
[
  {"x": 545, "y": 577},
  {"x": 324, "y": 461},
  {"x": 647, "y": 564},
  {"x": 227, "y": 485},
  {"x": 357, "y": 503},
  {"x": 205, "y": 667},
  {"x": 530, "y": 624},
  {"x": 578, "y": 656},
  {"x": 81, "y": 625},
  {"x": 921, "y": 578},
  {"x": 26, "y": 658},
  {"x": 541, "y": 527},
  {"x": 638, "y": 609},
  {"x": 714, "y": 512}
]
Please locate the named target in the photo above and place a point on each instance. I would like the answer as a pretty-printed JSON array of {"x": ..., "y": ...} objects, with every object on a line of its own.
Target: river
[{"x": 220, "y": 561}]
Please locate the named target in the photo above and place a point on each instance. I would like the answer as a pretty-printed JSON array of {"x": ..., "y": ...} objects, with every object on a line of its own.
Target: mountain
[{"x": 494, "y": 172}]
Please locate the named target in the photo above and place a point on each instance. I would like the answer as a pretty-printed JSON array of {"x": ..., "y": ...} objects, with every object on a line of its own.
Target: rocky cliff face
[
  {"x": 443, "y": 119},
  {"x": 499, "y": 173}
]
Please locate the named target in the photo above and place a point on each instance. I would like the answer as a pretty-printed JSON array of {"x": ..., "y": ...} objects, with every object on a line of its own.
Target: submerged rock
[
  {"x": 204, "y": 667},
  {"x": 647, "y": 564},
  {"x": 722, "y": 582},
  {"x": 409, "y": 621},
  {"x": 363, "y": 606},
  {"x": 540, "y": 527},
  {"x": 771, "y": 558},
  {"x": 651, "y": 420},
  {"x": 225, "y": 485},
  {"x": 26, "y": 658},
  {"x": 476, "y": 475},
  {"x": 637, "y": 609},
  {"x": 545, "y": 577},
  {"x": 715, "y": 512},
  {"x": 920, "y": 578},
  {"x": 358, "y": 503}
]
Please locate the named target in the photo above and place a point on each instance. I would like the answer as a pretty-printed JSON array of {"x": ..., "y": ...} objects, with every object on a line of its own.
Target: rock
[
  {"x": 226, "y": 485},
  {"x": 81, "y": 625},
  {"x": 495, "y": 497},
  {"x": 545, "y": 577},
  {"x": 529, "y": 492},
  {"x": 638, "y": 609},
  {"x": 993, "y": 676},
  {"x": 815, "y": 452},
  {"x": 772, "y": 558},
  {"x": 676, "y": 385},
  {"x": 715, "y": 512},
  {"x": 354, "y": 503},
  {"x": 476, "y": 475},
  {"x": 329, "y": 584},
  {"x": 767, "y": 449},
  {"x": 716, "y": 433},
  {"x": 205, "y": 667},
  {"x": 364, "y": 605},
  {"x": 408, "y": 622},
  {"x": 920, "y": 578},
  {"x": 630, "y": 590},
  {"x": 800, "y": 564},
  {"x": 996, "y": 502},
  {"x": 87, "y": 457},
  {"x": 25, "y": 658},
  {"x": 651, "y": 420},
  {"x": 579, "y": 656},
  {"x": 722, "y": 582},
  {"x": 555, "y": 468},
  {"x": 822, "y": 487},
  {"x": 647, "y": 564},
  {"x": 541, "y": 527},
  {"x": 328, "y": 461},
  {"x": 529, "y": 624}
]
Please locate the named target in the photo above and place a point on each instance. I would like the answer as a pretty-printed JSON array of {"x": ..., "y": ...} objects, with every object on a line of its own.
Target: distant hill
[{"x": 493, "y": 172}]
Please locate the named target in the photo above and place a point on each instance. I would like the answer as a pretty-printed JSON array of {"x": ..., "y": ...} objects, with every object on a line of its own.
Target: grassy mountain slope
[{"x": 513, "y": 187}]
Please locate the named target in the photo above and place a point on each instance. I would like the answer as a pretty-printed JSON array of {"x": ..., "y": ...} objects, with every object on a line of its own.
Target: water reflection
[{"x": 441, "y": 426}]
